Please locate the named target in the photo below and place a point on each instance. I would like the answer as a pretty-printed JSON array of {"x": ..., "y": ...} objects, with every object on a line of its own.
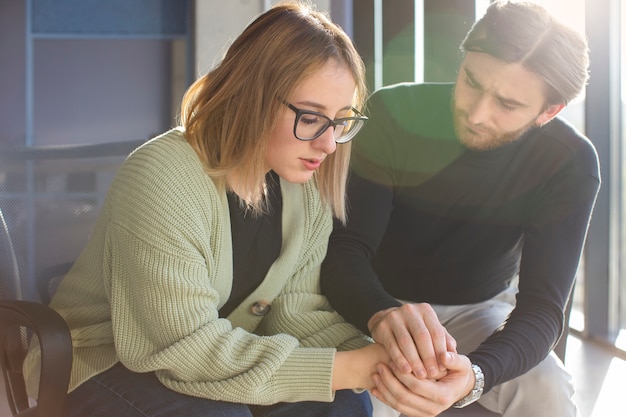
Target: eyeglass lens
[{"x": 312, "y": 125}]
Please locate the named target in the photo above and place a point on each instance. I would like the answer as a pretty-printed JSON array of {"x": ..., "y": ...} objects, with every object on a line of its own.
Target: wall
[{"x": 219, "y": 22}]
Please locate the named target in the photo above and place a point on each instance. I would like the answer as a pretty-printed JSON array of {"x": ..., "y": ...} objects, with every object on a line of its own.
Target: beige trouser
[{"x": 544, "y": 391}]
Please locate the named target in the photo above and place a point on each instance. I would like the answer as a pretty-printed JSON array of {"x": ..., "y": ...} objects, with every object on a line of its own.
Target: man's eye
[
  {"x": 470, "y": 82},
  {"x": 507, "y": 107}
]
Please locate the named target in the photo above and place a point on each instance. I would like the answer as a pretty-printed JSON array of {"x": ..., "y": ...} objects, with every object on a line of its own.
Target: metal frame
[{"x": 603, "y": 125}]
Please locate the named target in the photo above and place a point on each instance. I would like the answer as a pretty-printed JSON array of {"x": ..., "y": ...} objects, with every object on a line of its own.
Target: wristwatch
[{"x": 476, "y": 392}]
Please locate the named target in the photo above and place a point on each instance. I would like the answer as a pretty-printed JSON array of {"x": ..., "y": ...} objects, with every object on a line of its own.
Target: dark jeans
[{"x": 122, "y": 393}]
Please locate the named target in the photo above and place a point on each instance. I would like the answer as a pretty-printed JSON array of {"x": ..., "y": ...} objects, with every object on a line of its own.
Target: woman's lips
[{"x": 311, "y": 164}]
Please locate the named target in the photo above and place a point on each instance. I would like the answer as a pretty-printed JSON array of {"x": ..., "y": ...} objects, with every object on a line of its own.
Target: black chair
[
  {"x": 49, "y": 201},
  {"x": 16, "y": 315}
]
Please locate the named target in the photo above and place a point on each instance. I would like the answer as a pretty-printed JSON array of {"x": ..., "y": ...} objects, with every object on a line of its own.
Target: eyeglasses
[{"x": 311, "y": 124}]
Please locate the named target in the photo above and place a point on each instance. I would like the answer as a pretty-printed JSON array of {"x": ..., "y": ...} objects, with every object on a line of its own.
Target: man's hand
[
  {"x": 413, "y": 337},
  {"x": 418, "y": 397}
]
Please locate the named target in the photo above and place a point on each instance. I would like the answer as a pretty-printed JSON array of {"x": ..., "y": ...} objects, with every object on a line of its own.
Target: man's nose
[{"x": 480, "y": 111}]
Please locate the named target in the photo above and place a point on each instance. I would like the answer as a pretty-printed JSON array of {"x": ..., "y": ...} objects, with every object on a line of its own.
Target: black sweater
[{"x": 431, "y": 221}]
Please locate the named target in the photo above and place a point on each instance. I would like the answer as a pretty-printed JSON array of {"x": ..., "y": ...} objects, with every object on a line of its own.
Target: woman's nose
[{"x": 326, "y": 141}]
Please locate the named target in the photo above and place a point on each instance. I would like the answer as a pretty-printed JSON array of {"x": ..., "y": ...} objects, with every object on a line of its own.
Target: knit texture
[{"x": 148, "y": 286}]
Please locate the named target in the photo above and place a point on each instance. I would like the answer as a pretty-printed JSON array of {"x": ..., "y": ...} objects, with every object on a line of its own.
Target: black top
[
  {"x": 256, "y": 242},
  {"x": 431, "y": 221}
]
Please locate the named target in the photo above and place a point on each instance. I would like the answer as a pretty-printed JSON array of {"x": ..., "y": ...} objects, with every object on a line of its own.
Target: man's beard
[{"x": 486, "y": 140}]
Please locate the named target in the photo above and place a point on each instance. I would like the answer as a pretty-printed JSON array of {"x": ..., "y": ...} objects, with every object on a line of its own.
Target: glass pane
[
  {"x": 621, "y": 321},
  {"x": 101, "y": 90},
  {"x": 50, "y": 198},
  {"x": 112, "y": 17}
]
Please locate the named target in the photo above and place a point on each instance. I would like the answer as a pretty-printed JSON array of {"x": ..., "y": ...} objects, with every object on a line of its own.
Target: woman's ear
[{"x": 549, "y": 113}]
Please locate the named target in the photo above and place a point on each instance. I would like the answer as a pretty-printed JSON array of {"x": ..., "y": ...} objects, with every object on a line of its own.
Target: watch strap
[{"x": 476, "y": 392}]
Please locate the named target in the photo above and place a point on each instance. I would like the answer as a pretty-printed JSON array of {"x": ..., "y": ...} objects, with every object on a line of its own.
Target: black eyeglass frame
[{"x": 299, "y": 113}]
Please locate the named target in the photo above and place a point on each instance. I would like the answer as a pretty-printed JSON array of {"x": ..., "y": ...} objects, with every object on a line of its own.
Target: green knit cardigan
[{"x": 148, "y": 286}]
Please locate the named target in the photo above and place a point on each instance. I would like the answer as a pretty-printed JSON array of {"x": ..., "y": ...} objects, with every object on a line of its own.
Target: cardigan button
[{"x": 260, "y": 308}]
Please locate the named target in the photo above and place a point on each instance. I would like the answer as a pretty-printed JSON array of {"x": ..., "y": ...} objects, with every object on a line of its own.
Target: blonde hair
[{"x": 228, "y": 113}]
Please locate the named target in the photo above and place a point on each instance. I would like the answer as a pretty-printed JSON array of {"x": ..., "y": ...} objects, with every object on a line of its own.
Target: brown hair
[
  {"x": 519, "y": 31},
  {"x": 228, "y": 113}
]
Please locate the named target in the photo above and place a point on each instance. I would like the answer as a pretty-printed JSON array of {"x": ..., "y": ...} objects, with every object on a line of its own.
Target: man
[{"x": 469, "y": 206}]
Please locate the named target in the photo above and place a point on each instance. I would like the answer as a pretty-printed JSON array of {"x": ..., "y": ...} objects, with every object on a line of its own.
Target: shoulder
[
  {"x": 165, "y": 159},
  {"x": 412, "y": 88},
  {"x": 562, "y": 141},
  {"x": 163, "y": 152},
  {"x": 415, "y": 95},
  {"x": 415, "y": 109},
  {"x": 410, "y": 123},
  {"x": 162, "y": 173}
]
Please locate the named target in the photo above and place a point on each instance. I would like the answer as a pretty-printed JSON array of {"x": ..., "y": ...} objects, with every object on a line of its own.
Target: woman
[{"x": 198, "y": 292}]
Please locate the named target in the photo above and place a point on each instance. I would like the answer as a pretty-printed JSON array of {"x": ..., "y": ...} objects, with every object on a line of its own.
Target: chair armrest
[{"x": 56, "y": 350}]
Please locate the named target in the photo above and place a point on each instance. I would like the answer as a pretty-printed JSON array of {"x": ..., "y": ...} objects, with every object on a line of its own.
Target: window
[
  {"x": 80, "y": 72},
  {"x": 88, "y": 71}
]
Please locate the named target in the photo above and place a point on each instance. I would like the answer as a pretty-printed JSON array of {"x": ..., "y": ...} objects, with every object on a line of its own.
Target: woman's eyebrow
[{"x": 320, "y": 107}]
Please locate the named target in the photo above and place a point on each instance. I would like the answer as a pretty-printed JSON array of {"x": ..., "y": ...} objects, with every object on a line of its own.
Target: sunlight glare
[
  {"x": 570, "y": 12},
  {"x": 620, "y": 342},
  {"x": 608, "y": 402}
]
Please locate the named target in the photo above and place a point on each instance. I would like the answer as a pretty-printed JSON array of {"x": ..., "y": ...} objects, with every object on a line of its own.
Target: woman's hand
[{"x": 355, "y": 368}]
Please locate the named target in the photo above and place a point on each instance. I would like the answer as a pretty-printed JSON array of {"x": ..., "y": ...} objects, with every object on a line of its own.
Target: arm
[
  {"x": 348, "y": 277},
  {"x": 553, "y": 242}
]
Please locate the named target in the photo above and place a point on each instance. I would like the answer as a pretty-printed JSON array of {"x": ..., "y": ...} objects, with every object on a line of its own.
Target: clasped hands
[{"x": 425, "y": 374}]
